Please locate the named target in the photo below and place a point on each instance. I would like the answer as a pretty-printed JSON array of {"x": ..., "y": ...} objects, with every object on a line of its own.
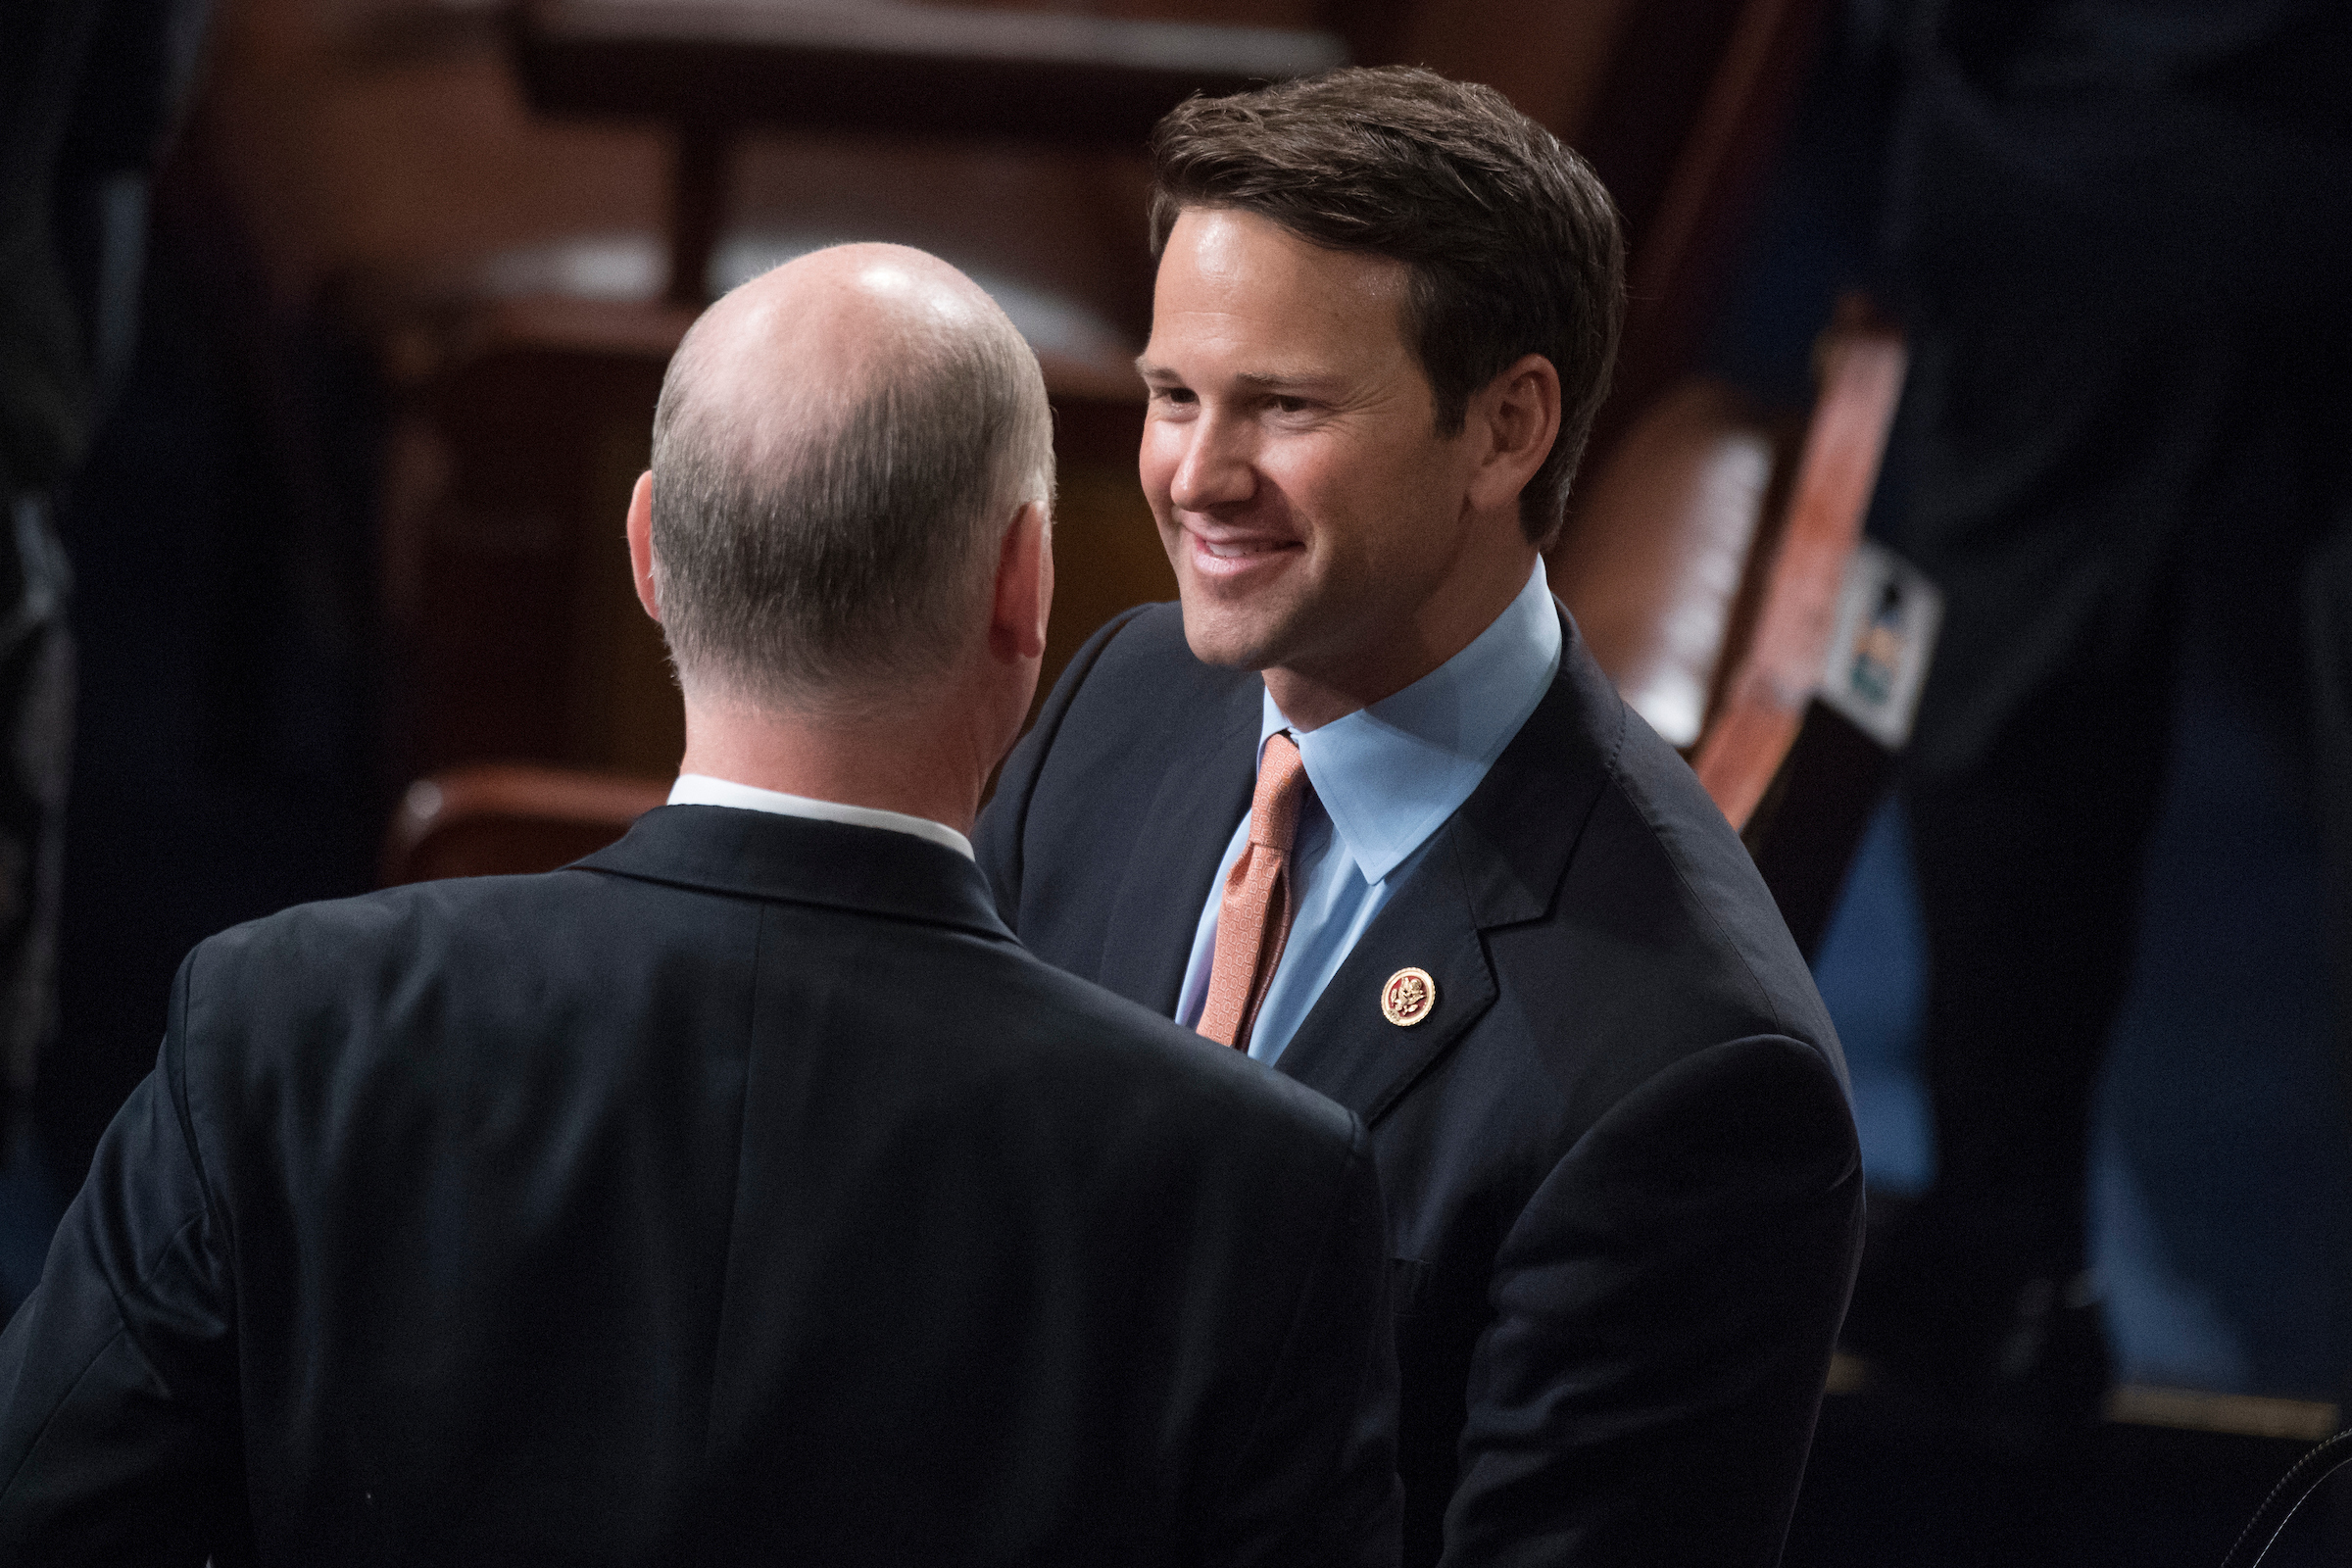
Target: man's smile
[{"x": 1232, "y": 556}]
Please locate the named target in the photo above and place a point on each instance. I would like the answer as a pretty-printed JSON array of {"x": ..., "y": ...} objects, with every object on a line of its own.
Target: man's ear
[
  {"x": 1516, "y": 418},
  {"x": 1024, "y": 593},
  {"x": 641, "y": 543}
]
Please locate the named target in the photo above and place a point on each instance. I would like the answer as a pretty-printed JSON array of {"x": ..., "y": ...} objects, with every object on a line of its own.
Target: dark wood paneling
[
  {"x": 902, "y": 70},
  {"x": 507, "y": 576},
  {"x": 508, "y": 821},
  {"x": 1770, "y": 678}
]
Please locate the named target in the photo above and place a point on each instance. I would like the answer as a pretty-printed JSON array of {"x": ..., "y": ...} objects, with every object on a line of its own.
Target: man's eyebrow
[{"x": 1293, "y": 380}]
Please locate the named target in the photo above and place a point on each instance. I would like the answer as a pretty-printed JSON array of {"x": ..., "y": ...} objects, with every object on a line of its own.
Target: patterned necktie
[{"x": 1253, "y": 919}]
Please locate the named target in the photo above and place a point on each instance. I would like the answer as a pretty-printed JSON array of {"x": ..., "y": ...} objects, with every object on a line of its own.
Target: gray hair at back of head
[{"x": 854, "y": 563}]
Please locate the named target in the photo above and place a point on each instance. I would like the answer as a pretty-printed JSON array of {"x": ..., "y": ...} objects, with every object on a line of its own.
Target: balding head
[{"x": 839, "y": 447}]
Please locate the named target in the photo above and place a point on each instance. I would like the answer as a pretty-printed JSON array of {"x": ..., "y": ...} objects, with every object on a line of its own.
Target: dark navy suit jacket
[
  {"x": 744, "y": 1192},
  {"x": 1624, "y": 1194}
]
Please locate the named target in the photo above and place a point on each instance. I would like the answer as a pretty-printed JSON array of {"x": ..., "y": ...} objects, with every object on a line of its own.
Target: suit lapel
[
  {"x": 1346, "y": 1047},
  {"x": 1497, "y": 861},
  {"x": 1174, "y": 858}
]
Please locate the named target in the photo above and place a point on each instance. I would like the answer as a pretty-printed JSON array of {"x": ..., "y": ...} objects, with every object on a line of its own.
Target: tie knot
[{"x": 1281, "y": 785}]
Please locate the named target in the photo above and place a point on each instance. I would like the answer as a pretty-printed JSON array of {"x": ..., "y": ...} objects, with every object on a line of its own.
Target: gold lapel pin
[{"x": 1410, "y": 996}]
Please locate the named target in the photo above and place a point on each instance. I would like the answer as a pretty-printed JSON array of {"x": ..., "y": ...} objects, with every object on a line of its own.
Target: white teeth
[{"x": 1234, "y": 552}]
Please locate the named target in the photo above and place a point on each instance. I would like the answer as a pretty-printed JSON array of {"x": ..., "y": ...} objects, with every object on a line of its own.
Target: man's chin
[{"x": 1229, "y": 642}]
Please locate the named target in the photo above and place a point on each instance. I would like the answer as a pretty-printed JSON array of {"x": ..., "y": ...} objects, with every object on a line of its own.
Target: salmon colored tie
[{"x": 1253, "y": 920}]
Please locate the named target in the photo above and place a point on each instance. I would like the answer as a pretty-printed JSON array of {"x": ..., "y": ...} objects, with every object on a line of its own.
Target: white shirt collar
[{"x": 701, "y": 789}]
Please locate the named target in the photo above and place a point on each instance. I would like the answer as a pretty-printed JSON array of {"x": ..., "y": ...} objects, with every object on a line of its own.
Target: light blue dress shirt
[{"x": 1385, "y": 778}]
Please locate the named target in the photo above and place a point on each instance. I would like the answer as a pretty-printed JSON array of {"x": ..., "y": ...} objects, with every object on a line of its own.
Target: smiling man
[
  {"x": 1364, "y": 807},
  {"x": 1324, "y": 528}
]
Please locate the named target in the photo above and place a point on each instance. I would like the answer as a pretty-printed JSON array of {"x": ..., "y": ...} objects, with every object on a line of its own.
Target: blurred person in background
[
  {"x": 2122, "y": 235},
  {"x": 89, "y": 90}
]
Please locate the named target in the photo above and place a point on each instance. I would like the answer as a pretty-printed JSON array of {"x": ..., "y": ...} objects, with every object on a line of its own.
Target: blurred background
[{"x": 1972, "y": 508}]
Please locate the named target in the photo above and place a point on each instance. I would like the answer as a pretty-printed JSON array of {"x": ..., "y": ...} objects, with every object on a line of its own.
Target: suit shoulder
[
  {"x": 479, "y": 937},
  {"x": 1148, "y": 653},
  {"x": 1134, "y": 710},
  {"x": 1669, "y": 898},
  {"x": 1146, "y": 632},
  {"x": 1143, "y": 706},
  {"x": 353, "y": 929},
  {"x": 1118, "y": 1047}
]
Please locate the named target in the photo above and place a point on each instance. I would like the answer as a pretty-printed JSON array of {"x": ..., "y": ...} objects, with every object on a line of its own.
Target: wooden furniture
[
  {"x": 522, "y": 418},
  {"x": 506, "y": 820},
  {"x": 506, "y": 581},
  {"x": 1704, "y": 567},
  {"x": 1655, "y": 563},
  {"x": 715, "y": 68},
  {"x": 1769, "y": 679},
  {"x": 514, "y": 625}
]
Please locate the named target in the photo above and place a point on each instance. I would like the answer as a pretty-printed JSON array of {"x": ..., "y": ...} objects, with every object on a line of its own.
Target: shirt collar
[
  {"x": 701, "y": 789},
  {"x": 1389, "y": 774}
]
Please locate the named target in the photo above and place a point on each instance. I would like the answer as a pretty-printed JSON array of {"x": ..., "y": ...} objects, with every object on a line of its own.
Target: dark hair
[{"x": 1511, "y": 241}]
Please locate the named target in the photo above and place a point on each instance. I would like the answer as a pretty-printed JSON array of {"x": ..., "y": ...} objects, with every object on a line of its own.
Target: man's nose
[{"x": 1217, "y": 469}]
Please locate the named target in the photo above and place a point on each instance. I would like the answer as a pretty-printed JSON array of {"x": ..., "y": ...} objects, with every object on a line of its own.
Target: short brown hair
[{"x": 1513, "y": 243}]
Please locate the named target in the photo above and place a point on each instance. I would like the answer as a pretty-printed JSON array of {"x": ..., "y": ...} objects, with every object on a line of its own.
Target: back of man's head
[
  {"x": 839, "y": 446},
  {"x": 1512, "y": 244}
]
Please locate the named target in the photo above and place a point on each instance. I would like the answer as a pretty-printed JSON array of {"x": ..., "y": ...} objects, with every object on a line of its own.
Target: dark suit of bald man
[{"x": 741, "y": 1193}]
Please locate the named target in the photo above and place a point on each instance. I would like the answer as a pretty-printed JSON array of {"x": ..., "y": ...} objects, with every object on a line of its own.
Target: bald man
[{"x": 742, "y": 1192}]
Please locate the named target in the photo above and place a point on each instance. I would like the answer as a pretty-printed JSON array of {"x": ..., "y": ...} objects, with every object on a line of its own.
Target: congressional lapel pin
[{"x": 1410, "y": 996}]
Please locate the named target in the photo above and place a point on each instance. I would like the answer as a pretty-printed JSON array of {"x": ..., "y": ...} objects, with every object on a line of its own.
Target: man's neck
[
  {"x": 911, "y": 763},
  {"x": 1312, "y": 695}
]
